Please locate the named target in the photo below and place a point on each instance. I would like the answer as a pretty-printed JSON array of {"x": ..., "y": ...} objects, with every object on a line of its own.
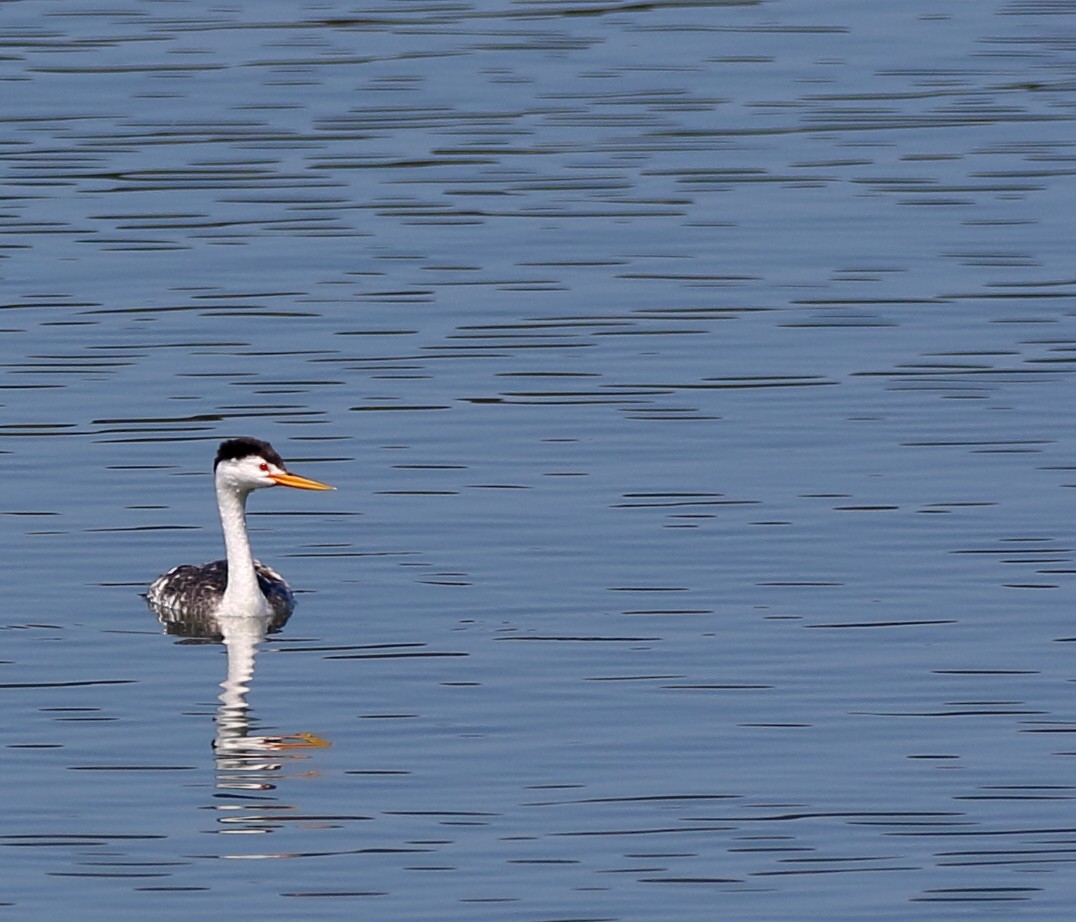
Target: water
[{"x": 696, "y": 383}]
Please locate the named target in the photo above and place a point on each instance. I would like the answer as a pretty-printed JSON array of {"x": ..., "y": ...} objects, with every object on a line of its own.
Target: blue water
[{"x": 696, "y": 383}]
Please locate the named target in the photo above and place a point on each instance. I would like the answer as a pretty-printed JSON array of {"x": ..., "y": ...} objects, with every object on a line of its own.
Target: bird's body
[
  {"x": 239, "y": 585},
  {"x": 199, "y": 589}
]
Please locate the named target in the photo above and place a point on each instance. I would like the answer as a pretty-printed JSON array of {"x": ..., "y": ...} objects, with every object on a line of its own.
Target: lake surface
[{"x": 696, "y": 380}]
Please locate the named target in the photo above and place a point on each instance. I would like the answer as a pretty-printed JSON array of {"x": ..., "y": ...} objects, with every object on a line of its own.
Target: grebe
[{"x": 239, "y": 585}]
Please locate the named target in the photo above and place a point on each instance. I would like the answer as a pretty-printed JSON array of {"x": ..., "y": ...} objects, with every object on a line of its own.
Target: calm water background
[{"x": 697, "y": 382}]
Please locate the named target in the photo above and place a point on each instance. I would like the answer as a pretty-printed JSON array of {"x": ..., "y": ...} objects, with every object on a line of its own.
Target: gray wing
[{"x": 194, "y": 590}]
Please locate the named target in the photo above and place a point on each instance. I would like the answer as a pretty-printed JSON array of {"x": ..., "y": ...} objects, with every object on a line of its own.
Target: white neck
[{"x": 242, "y": 595}]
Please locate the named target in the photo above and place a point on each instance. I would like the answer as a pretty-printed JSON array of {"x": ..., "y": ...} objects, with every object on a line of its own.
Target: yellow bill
[{"x": 286, "y": 479}]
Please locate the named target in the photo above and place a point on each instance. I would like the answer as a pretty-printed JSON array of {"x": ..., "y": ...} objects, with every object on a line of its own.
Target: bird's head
[{"x": 247, "y": 464}]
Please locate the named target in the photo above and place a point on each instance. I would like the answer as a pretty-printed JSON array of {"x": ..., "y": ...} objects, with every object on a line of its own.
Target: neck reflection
[{"x": 246, "y": 760}]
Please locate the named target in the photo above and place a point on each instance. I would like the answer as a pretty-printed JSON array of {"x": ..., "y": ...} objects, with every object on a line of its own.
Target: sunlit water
[{"x": 696, "y": 381}]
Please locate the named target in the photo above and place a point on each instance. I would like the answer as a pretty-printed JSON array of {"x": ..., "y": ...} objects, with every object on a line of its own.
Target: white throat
[{"x": 242, "y": 596}]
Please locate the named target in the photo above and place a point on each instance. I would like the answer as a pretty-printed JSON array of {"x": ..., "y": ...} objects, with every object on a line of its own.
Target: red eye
[{"x": 263, "y": 466}]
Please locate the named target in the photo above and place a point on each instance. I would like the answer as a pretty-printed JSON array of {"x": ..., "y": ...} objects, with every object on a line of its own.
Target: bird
[{"x": 239, "y": 585}]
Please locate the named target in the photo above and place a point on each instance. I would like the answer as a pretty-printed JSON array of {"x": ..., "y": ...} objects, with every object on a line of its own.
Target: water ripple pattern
[{"x": 696, "y": 378}]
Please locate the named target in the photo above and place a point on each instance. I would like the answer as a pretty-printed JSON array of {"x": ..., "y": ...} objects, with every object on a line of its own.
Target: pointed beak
[{"x": 302, "y": 483}]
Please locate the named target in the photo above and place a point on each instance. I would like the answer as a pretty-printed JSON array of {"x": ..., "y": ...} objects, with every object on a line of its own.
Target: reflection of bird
[{"x": 239, "y": 585}]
